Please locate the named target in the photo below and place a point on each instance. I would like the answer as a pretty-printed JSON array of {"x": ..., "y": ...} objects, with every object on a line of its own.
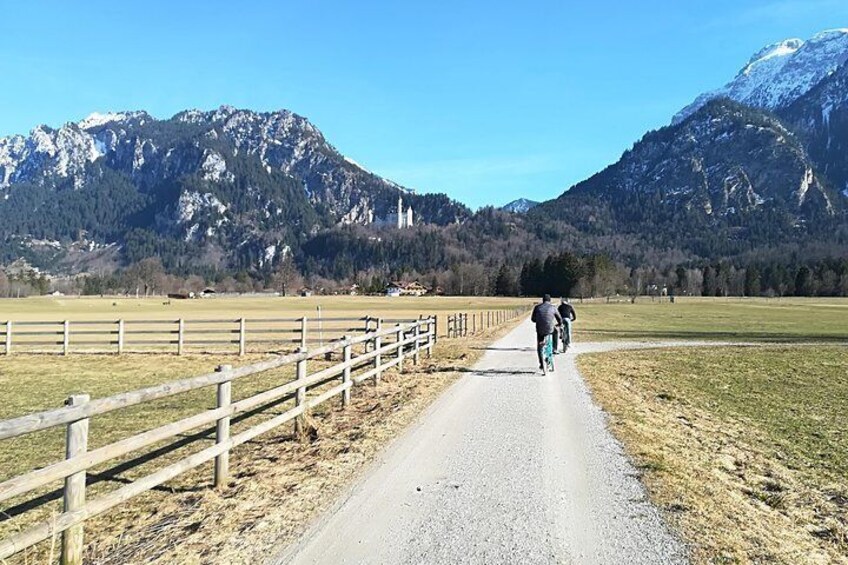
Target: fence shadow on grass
[
  {"x": 113, "y": 474},
  {"x": 493, "y": 373},
  {"x": 506, "y": 372},
  {"x": 522, "y": 349}
]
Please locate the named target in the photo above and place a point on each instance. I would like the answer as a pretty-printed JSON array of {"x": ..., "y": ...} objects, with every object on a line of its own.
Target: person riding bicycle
[
  {"x": 568, "y": 314},
  {"x": 547, "y": 320}
]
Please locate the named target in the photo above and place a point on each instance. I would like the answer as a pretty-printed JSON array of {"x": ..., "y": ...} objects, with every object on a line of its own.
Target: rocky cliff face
[
  {"x": 228, "y": 178},
  {"x": 725, "y": 159},
  {"x": 821, "y": 119}
]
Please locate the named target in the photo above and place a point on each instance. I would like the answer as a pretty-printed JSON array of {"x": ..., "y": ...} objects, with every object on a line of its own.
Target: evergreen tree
[
  {"x": 752, "y": 281},
  {"x": 505, "y": 282}
]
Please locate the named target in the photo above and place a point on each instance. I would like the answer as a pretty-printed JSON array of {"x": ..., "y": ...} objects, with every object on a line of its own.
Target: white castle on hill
[{"x": 401, "y": 219}]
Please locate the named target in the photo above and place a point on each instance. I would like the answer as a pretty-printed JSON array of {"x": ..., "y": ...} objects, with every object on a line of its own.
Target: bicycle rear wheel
[{"x": 549, "y": 354}]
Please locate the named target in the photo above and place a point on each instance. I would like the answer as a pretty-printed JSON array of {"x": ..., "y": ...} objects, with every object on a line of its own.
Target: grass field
[
  {"x": 730, "y": 319},
  {"x": 37, "y": 382},
  {"x": 788, "y": 397},
  {"x": 745, "y": 448},
  {"x": 86, "y": 308}
]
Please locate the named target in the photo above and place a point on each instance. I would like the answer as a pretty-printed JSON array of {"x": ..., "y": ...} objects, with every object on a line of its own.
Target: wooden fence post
[
  {"x": 432, "y": 324},
  {"x": 346, "y": 357},
  {"x": 242, "y": 337},
  {"x": 416, "y": 355},
  {"x": 222, "y": 428},
  {"x": 367, "y": 329},
  {"x": 120, "y": 336},
  {"x": 400, "y": 349},
  {"x": 8, "y": 337},
  {"x": 488, "y": 319},
  {"x": 378, "y": 360},
  {"x": 300, "y": 395},
  {"x": 76, "y": 444},
  {"x": 66, "y": 337},
  {"x": 435, "y": 328},
  {"x": 180, "y": 335},
  {"x": 474, "y": 323},
  {"x": 320, "y": 326}
]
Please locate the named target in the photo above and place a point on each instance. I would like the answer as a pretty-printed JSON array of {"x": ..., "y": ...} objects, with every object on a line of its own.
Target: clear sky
[{"x": 486, "y": 101}]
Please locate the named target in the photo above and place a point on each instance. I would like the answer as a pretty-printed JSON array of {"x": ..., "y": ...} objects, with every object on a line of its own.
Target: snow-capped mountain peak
[
  {"x": 780, "y": 73},
  {"x": 520, "y": 206},
  {"x": 780, "y": 49},
  {"x": 97, "y": 119}
]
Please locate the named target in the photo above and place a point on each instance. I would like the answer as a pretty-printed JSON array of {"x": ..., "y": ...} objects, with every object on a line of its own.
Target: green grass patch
[
  {"x": 717, "y": 319},
  {"x": 752, "y": 441}
]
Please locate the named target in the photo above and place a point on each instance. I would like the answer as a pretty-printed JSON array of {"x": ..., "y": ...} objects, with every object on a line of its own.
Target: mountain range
[
  {"x": 755, "y": 164},
  {"x": 228, "y": 187},
  {"x": 758, "y": 166}
]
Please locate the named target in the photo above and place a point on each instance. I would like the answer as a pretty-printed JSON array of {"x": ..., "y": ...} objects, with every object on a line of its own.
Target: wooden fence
[
  {"x": 463, "y": 324},
  {"x": 364, "y": 357},
  {"x": 178, "y": 336}
]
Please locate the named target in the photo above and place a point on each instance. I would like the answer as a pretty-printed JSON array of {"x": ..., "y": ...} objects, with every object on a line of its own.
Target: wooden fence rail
[
  {"x": 177, "y": 336},
  {"x": 364, "y": 357}
]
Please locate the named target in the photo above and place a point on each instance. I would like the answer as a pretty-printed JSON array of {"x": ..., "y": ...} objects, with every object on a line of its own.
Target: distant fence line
[
  {"x": 177, "y": 336},
  {"x": 365, "y": 357},
  {"x": 228, "y": 335},
  {"x": 462, "y": 324}
]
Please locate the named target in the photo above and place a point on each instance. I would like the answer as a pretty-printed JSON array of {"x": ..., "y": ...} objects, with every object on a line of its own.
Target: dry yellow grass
[
  {"x": 278, "y": 483},
  {"x": 744, "y": 448}
]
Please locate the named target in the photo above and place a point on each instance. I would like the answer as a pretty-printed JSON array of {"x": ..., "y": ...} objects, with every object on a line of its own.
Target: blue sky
[{"x": 486, "y": 101}]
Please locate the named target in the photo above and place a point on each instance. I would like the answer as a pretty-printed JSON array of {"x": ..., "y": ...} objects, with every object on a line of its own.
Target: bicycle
[
  {"x": 564, "y": 335},
  {"x": 548, "y": 354}
]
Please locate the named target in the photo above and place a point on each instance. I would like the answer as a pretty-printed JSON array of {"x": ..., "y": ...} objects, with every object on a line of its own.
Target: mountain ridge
[
  {"x": 780, "y": 73},
  {"x": 239, "y": 184}
]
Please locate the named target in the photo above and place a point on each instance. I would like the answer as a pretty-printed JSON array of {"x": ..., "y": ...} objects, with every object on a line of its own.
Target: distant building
[
  {"x": 406, "y": 289},
  {"x": 401, "y": 218},
  {"x": 415, "y": 289},
  {"x": 394, "y": 289},
  {"x": 352, "y": 290}
]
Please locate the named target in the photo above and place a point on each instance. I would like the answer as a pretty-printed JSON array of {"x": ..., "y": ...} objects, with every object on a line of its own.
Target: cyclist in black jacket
[
  {"x": 547, "y": 320},
  {"x": 568, "y": 314}
]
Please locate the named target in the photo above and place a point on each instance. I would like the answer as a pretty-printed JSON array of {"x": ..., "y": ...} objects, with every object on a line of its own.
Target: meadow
[
  {"x": 33, "y": 382},
  {"x": 716, "y": 319},
  {"x": 725, "y": 437},
  {"x": 744, "y": 448}
]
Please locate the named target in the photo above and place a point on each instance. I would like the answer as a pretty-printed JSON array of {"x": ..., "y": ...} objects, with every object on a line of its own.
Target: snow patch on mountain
[
  {"x": 215, "y": 168},
  {"x": 97, "y": 119},
  {"x": 192, "y": 203},
  {"x": 520, "y": 206},
  {"x": 779, "y": 74}
]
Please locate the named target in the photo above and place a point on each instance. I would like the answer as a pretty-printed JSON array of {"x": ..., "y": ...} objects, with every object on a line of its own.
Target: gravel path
[{"x": 508, "y": 466}]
